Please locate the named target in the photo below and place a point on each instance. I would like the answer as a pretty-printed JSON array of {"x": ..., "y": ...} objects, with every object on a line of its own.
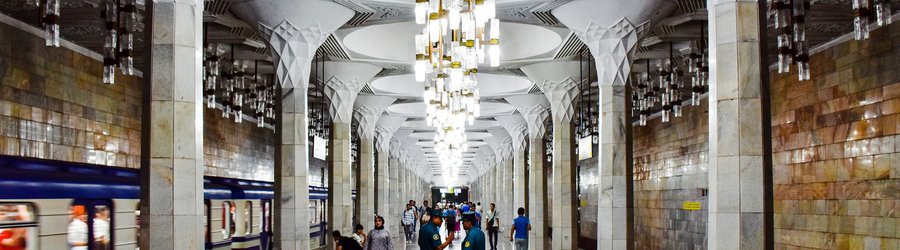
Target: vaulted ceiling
[{"x": 381, "y": 33}]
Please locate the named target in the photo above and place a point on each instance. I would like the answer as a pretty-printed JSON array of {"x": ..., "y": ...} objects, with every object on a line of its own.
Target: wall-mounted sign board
[{"x": 690, "y": 205}]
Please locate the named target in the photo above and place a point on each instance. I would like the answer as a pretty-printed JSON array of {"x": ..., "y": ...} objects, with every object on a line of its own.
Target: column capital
[
  {"x": 496, "y": 142},
  {"x": 293, "y": 48},
  {"x": 556, "y": 80},
  {"x": 397, "y": 145},
  {"x": 516, "y": 127},
  {"x": 343, "y": 82},
  {"x": 367, "y": 111},
  {"x": 384, "y": 130},
  {"x": 534, "y": 109},
  {"x": 611, "y": 34}
]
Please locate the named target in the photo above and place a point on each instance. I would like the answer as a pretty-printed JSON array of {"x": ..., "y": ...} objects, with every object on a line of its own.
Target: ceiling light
[{"x": 448, "y": 52}]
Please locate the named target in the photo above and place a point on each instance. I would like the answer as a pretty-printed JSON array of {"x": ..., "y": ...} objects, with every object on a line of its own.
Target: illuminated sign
[
  {"x": 585, "y": 148},
  {"x": 320, "y": 148}
]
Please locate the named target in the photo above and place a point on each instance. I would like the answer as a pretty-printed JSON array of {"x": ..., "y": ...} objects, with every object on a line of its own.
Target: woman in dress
[{"x": 379, "y": 238}]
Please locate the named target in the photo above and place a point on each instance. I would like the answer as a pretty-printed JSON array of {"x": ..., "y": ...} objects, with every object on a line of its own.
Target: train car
[{"x": 61, "y": 205}]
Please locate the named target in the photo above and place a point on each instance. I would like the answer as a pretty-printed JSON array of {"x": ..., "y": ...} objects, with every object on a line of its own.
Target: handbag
[{"x": 490, "y": 223}]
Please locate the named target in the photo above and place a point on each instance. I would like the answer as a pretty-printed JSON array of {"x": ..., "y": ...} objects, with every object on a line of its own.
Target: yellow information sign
[{"x": 690, "y": 205}]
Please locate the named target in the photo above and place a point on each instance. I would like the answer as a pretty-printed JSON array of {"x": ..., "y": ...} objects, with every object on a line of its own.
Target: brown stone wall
[
  {"x": 670, "y": 164},
  {"x": 237, "y": 150},
  {"x": 835, "y": 148},
  {"x": 53, "y": 105}
]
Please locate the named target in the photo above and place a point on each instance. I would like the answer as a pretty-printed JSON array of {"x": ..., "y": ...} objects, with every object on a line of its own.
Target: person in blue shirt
[
  {"x": 477, "y": 214},
  {"x": 519, "y": 231},
  {"x": 429, "y": 234},
  {"x": 474, "y": 236}
]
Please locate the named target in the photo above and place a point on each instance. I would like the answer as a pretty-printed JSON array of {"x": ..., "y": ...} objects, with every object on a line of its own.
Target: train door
[
  {"x": 265, "y": 232},
  {"x": 90, "y": 225}
]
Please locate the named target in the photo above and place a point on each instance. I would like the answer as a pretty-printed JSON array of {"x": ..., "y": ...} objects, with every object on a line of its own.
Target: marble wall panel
[
  {"x": 60, "y": 110},
  {"x": 835, "y": 154},
  {"x": 670, "y": 166}
]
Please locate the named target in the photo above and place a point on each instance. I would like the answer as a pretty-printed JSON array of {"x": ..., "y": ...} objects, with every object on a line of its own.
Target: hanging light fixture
[
  {"x": 128, "y": 26},
  {"x": 49, "y": 21},
  {"x": 790, "y": 21},
  {"x": 119, "y": 23},
  {"x": 698, "y": 68},
  {"x": 883, "y": 12},
  {"x": 212, "y": 70},
  {"x": 448, "y": 52},
  {"x": 860, "y": 19},
  {"x": 109, "y": 16},
  {"x": 801, "y": 47}
]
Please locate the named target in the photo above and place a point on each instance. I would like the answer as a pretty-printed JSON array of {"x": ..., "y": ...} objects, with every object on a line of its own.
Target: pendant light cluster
[
  {"x": 48, "y": 19},
  {"x": 862, "y": 12},
  {"x": 698, "y": 68},
  {"x": 120, "y": 23},
  {"x": 229, "y": 83},
  {"x": 790, "y": 21},
  {"x": 587, "y": 118},
  {"x": 452, "y": 44},
  {"x": 318, "y": 116},
  {"x": 665, "y": 91}
]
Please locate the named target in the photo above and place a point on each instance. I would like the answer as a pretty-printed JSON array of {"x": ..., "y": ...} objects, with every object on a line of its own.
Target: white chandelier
[{"x": 452, "y": 44}]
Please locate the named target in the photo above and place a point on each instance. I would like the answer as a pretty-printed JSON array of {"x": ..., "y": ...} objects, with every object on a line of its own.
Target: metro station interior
[{"x": 614, "y": 124}]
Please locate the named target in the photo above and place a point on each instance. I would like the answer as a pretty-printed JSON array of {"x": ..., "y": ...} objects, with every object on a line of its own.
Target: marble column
[
  {"x": 517, "y": 128},
  {"x": 740, "y": 184},
  {"x": 293, "y": 34},
  {"x": 343, "y": 82},
  {"x": 555, "y": 80},
  {"x": 611, "y": 34},
  {"x": 397, "y": 203},
  {"x": 535, "y": 109},
  {"x": 385, "y": 200},
  {"x": 172, "y": 128},
  {"x": 367, "y": 111},
  {"x": 498, "y": 142}
]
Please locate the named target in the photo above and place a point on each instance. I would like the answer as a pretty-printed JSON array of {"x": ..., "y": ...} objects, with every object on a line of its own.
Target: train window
[
  {"x": 228, "y": 210},
  {"x": 206, "y": 234},
  {"x": 100, "y": 227},
  {"x": 267, "y": 216},
  {"x": 77, "y": 230},
  {"x": 312, "y": 213},
  {"x": 248, "y": 217},
  {"x": 18, "y": 226},
  {"x": 137, "y": 222}
]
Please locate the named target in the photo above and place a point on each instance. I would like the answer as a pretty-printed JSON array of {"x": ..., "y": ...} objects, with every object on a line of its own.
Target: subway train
[{"x": 63, "y": 205}]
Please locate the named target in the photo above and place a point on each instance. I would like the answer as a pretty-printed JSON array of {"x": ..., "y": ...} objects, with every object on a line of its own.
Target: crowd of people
[{"x": 431, "y": 221}]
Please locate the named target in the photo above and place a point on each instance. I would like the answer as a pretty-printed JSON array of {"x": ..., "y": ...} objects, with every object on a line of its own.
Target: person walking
[
  {"x": 379, "y": 238},
  {"x": 417, "y": 215},
  {"x": 493, "y": 226},
  {"x": 429, "y": 235},
  {"x": 474, "y": 239},
  {"x": 424, "y": 212},
  {"x": 409, "y": 222},
  {"x": 519, "y": 231},
  {"x": 450, "y": 215}
]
